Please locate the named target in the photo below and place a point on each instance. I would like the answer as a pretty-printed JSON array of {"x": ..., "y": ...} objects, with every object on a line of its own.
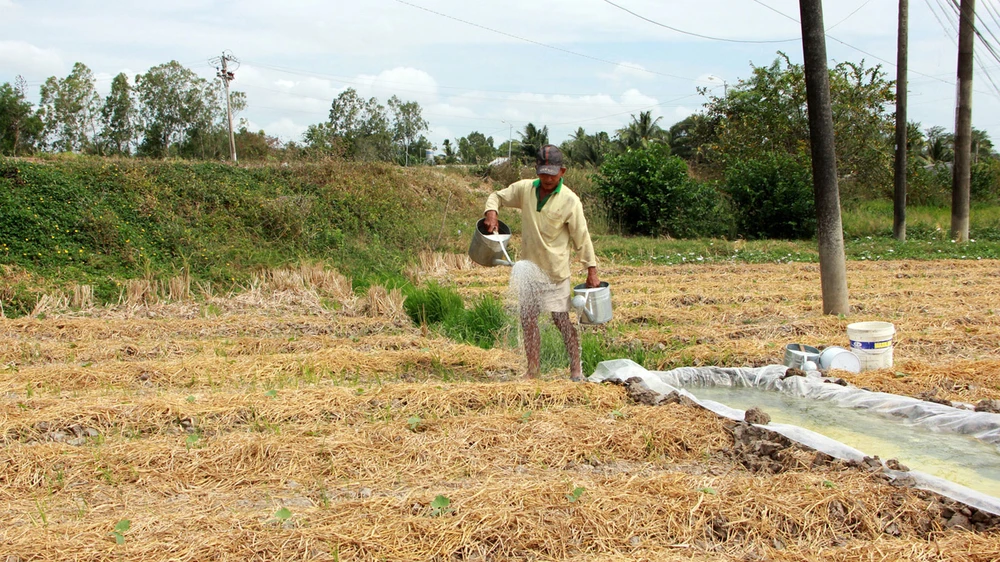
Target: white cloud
[
  {"x": 681, "y": 112},
  {"x": 628, "y": 71},
  {"x": 403, "y": 82},
  {"x": 20, "y": 57},
  {"x": 633, "y": 97},
  {"x": 298, "y": 55},
  {"x": 284, "y": 128}
]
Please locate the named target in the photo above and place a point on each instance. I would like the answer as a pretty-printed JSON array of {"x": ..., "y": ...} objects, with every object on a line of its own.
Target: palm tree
[
  {"x": 939, "y": 146},
  {"x": 982, "y": 146},
  {"x": 532, "y": 140},
  {"x": 642, "y": 131},
  {"x": 916, "y": 142},
  {"x": 450, "y": 157}
]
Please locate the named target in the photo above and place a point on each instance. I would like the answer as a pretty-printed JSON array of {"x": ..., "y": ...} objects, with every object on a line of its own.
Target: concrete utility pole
[
  {"x": 961, "y": 167},
  {"x": 227, "y": 76},
  {"x": 830, "y": 231},
  {"x": 899, "y": 197},
  {"x": 510, "y": 138}
]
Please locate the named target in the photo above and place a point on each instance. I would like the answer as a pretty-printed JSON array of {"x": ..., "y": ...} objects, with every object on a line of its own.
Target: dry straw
[{"x": 199, "y": 421}]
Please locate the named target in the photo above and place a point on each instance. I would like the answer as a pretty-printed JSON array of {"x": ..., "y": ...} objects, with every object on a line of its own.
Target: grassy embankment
[{"x": 69, "y": 221}]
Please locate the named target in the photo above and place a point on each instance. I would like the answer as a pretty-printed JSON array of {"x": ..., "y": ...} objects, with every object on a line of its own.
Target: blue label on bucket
[{"x": 871, "y": 345}]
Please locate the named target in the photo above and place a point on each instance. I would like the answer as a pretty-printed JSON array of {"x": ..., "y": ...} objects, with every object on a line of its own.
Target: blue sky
[{"x": 488, "y": 66}]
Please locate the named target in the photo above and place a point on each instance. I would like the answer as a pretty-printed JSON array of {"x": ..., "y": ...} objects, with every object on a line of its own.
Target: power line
[
  {"x": 361, "y": 83},
  {"x": 850, "y": 15},
  {"x": 956, "y": 11},
  {"x": 862, "y": 51},
  {"x": 647, "y": 108},
  {"x": 775, "y": 10},
  {"x": 644, "y": 18},
  {"x": 540, "y": 44}
]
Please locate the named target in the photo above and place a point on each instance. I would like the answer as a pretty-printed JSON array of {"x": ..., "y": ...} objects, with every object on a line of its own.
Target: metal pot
[
  {"x": 798, "y": 355},
  {"x": 490, "y": 249},
  {"x": 593, "y": 305}
]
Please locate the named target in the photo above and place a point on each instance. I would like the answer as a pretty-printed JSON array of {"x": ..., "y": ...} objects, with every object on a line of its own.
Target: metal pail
[
  {"x": 490, "y": 249},
  {"x": 593, "y": 305},
  {"x": 796, "y": 355}
]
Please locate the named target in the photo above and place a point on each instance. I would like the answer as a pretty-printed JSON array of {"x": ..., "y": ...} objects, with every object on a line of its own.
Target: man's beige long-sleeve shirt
[{"x": 548, "y": 234}]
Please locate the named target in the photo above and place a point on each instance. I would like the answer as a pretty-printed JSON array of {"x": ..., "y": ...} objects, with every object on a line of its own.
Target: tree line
[{"x": 170, "y": 111}]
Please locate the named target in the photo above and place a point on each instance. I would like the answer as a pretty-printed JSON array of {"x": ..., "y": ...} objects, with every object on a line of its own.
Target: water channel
[
  {"x": 962, "y": 459},
  {"x": 951, "y": 451}
]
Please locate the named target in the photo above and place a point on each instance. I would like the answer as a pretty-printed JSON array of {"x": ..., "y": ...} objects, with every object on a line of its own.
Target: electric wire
[
  {"x": 644, "y": 18},
  {"x": 540, "y": 44},
  {"x": 862, "y": 51},
  {"x": 346, "y": 80},
  {"x": 558, "y": 103},
  {"x": 956, "y": 11},
  {"x": 850, "y": 15}
]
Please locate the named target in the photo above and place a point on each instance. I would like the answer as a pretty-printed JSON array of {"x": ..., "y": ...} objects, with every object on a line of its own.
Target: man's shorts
[{"x": 546, "y": 297}]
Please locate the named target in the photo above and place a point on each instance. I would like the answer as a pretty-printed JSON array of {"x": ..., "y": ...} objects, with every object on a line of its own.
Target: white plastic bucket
[
  {"x": 839, "y": 358},
  {"x": 872, "y": 343}
]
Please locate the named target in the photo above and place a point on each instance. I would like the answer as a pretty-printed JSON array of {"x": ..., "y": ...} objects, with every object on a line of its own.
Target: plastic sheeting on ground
[{"x": 929, "y": 415}]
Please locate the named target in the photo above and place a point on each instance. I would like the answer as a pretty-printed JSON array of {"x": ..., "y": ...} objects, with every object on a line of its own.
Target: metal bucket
[
  {"x": 798, "y": 355},
  {"x": 490, "y": 249},
  {"x": 593, "y": 305}
]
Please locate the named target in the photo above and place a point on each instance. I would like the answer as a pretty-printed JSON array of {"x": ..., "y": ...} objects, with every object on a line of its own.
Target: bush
[
  {"x": 772, "y": 197},
  {"x": 928, "y": 185},
  {"x": 485, "y": 324},
  {"x": 649, "y": 192},
  {"x": 433, "y": 304},
  {"x": 985, "y": 181}
]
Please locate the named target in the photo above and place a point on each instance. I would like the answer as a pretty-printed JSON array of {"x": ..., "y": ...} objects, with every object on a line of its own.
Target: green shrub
[
  {"x": 486, "y": 324},
  {"x": 772, "y": 197},
  {"x": 433, "y": 304},
  {"x": 928, "y": 185},
  {"x": 649, "y": 192},
  {"x": 985, "y": 181}
]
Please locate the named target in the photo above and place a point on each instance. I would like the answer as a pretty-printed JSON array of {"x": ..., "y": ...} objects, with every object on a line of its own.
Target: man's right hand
[{"x": 491, "y": 222}]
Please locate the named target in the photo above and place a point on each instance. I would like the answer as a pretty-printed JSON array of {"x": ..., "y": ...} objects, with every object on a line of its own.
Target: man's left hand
[{"x": 592, "y": 281}]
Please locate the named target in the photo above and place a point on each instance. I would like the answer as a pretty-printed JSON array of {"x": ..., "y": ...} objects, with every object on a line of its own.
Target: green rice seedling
[
  {"x": 441, "y": 506},
  {"x": 486, "y": 324},
  {"x": 120, "y": 529},
  {"x": 576, "y": 494},
  {"x": 432, "y": 304}
]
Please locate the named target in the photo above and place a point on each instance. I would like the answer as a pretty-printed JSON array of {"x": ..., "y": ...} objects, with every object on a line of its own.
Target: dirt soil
[{"x": 271, "y": 426}]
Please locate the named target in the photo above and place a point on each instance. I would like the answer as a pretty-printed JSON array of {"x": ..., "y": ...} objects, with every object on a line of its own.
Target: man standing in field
[{"x": 551, "y": 220}]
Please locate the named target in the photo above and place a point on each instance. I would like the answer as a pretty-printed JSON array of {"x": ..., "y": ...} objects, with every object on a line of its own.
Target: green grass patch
[{"x": 486, "y": 324}]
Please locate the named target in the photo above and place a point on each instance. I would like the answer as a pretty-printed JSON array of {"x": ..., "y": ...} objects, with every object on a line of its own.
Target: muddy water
[{"x": 959, "y": 458}]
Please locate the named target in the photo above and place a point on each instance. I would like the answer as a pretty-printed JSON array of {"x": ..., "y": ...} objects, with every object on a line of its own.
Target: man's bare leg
[
  {"x": 572, "y": 341},
  {"x": 532, "y": 341}
]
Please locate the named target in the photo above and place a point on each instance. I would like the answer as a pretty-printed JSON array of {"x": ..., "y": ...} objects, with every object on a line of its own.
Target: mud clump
[
  {"x": 756, "y": 416},
  {"x": 989, "y": 406},
  {"x": 638, "y": 392},
  {"x": 761, "y": 450}
]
